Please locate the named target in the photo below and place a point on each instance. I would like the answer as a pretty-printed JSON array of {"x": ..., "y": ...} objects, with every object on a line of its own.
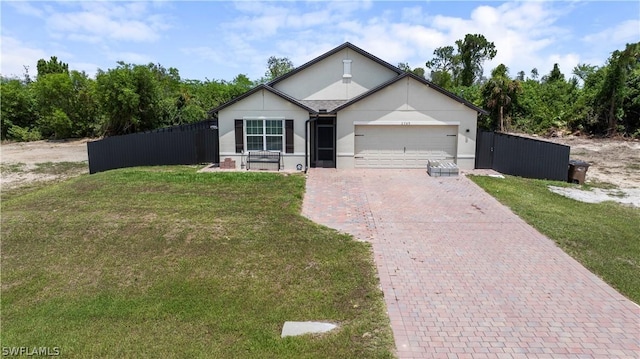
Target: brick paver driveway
[{"x": 463, "y": 277}]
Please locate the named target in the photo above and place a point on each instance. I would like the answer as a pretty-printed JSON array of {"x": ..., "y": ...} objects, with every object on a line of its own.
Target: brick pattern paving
[{"x": 463, "y": 277}]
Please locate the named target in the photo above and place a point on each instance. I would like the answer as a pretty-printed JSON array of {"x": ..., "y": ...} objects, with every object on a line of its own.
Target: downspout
[{"x": 306, "y": 142}]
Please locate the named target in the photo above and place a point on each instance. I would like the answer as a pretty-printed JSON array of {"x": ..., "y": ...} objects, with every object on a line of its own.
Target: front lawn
[
  {"x": 604, "y": 237},
  {"x": 167, "y": 262}
]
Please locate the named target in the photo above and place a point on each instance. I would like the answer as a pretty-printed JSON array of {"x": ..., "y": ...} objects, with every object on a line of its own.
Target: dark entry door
[
  {"x": 325, "y": 141},
  {"x": 484, "y": 149}
]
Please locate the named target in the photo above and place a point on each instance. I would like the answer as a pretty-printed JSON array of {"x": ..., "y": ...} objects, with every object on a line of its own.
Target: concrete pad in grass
[{"x": 301, "y": 328}]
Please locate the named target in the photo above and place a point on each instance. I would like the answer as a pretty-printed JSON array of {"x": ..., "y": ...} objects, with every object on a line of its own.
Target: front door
[{"x": 325, "y": 143}]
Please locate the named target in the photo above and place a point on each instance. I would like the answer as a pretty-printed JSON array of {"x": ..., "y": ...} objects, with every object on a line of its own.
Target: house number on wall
[{"x": 405, "y": 123}]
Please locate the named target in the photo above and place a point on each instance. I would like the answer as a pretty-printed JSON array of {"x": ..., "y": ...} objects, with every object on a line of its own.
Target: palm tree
[{"x": 499, "y": 92}]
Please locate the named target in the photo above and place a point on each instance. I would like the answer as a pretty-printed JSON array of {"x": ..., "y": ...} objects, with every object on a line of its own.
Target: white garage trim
[
  {"x": 404, "y": 146},
  {"x": 405, "y": 123}
]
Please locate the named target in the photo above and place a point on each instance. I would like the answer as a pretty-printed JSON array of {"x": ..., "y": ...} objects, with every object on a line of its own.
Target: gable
[
  {"x": 325, "y": 80},
  {"x": 261, "y": 103},
  {"x": 409, "y": 94}
]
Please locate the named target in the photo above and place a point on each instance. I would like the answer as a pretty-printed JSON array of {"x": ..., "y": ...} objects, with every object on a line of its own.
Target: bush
[
  {"x": 56, "y": 125},
  {"x": 23, "y": 134}
]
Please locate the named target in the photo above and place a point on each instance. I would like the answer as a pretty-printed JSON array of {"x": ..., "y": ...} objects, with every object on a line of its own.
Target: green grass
[
  {"x": 6, "y": 168},
  {"x": 633, "y": 166},
  {"x": 603, "y": 237},
  {"x": 61, "y": 168},
  {"x": 167, "y": 262}
]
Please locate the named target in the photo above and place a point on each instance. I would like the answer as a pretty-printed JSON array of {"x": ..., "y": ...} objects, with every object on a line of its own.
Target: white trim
[
  {"x": 262, "y": 118},
  {"x": 281, "y": 154},
  {"x": 466, "y": 157},
  {"x": 405, "y": 123}
]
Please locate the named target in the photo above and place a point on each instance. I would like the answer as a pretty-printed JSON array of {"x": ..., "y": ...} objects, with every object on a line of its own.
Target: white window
[{"x": 264, "y": 135}]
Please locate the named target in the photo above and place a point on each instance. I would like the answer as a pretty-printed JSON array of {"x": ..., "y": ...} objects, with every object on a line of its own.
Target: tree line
[
  {"x": 61, "y": 103},
  {"x": 597, "y": 100}
]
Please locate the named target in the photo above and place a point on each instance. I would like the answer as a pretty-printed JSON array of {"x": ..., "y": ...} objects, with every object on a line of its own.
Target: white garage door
[{"x": 403, "y": 146}]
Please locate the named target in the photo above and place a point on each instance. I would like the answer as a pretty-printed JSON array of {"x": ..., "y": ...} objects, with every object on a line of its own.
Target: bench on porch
[{"x": 263, "y": 160}]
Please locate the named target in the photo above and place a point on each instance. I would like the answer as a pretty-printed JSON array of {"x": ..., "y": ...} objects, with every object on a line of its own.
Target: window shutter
[
  {"x": 239, "y": 136},
  {"x": 288, "y": 133}
]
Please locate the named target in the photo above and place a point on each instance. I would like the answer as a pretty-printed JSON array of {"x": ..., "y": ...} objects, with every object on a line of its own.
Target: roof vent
[{"x": 347, "y": 68}]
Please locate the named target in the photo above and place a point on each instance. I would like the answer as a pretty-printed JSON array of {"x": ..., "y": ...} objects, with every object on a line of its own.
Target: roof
[
  {"x": 417, "y": 78},
  {"x": 333, "y": 106},
  {"x": 332, "y": 52},
  {"x": 328, "y": 105}
]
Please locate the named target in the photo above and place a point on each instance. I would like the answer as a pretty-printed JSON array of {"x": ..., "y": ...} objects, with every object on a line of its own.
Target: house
[{"x": 349, "y": 109}]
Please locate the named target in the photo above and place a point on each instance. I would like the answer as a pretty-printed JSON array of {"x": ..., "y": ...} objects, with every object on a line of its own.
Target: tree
[
  {"x": 631, "y": 104},
  {"x": 53, "y": 66},
  {"x": 583, "y": 71},
  {"x": 473, "y": 51},
  {"x": 54, "y": 96},
  {"x": 277, "y": 66},
  {"x": 463, "y": 64},
  {"x": 18, "y": 110},
  {"x": 445, "y": 60},
  {"x": 404, "y": 66},
  {"x": 499, "y": 93},
  {"x": 130, "y": 96},
  {"x": 418, "y": 71},
  {"x": 69, "y": 94},
  {"x": 444, "y": 67},
  {"x": 554, "y": 75},
  {"x": 613, "y": 91},
  {"x": 534, "y": 74}
]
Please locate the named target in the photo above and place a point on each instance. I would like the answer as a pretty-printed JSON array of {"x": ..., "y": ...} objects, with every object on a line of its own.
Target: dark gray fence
[
  {"x": 521, "y": 156},
  {"x": 178, "y": 145}
]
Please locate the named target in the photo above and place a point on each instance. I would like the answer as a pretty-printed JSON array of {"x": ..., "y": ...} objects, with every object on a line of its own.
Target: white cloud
[
  {"x": 84, "y": 25},
  {"x": 205, "y": 53},
  {"x": 526, "y": 34},
  {"x": 16, "y": 55},
  {"x": 91, "y": 39},
  {"x": 26, "y": 9},
  {"x": 87, "y": 21},
  {"x": 627, "y": 31}
]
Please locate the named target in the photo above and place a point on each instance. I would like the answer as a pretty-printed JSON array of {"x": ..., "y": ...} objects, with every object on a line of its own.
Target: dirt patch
[
  {"x": 629, "y": 196},
  {"x": 27, "y": 162},
  {"x": 45, "y": 151},
  {"x": 614, "y": 161},
  {"x": 614, "y": 164}
]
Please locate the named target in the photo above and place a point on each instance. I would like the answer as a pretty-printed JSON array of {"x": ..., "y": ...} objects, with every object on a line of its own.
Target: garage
[{"x": 404, "y": 146}]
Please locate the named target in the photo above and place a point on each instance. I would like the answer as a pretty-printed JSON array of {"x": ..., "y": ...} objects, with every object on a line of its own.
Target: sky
[{"x": 217, "y": 40}]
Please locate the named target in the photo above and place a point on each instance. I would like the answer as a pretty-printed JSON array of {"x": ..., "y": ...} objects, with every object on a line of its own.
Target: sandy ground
[
  {"x": 612, "y": 161},
  {"x": 44, "y": 151},
  {"x": 19, "y": 160}
]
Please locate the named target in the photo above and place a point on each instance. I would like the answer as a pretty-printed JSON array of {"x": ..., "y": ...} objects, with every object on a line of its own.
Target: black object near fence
[
  {"x": 178, "y": 145},
  {"x": 521, "y": 156}
]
